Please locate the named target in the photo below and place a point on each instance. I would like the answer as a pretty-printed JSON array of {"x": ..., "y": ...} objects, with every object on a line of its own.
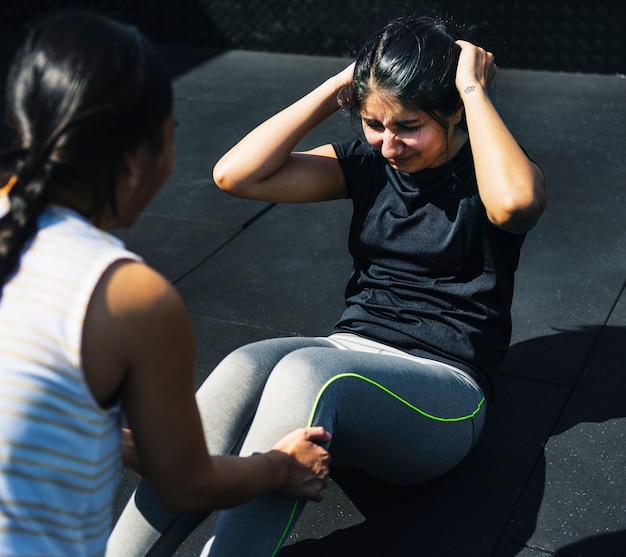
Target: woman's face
[
  {"x": 160, "y": 167},
  {"x": 153, "y": 169},
  {"x": 409, "y": 140}
]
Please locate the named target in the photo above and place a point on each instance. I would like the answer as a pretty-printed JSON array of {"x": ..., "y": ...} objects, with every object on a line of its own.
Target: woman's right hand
[
  {"x": 343, "y": 83},
  {"x": 476, "y": 67},
  {"x": 307, "y": 469}
]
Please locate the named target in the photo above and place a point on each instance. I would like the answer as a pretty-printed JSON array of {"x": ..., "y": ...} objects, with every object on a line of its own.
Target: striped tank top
[{"x": 59, "y": 449}]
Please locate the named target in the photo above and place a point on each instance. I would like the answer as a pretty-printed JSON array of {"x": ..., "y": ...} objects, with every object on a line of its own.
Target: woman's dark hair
[
  {"x": 413, "y": 61},
  {"x": 83, "y": 91}
]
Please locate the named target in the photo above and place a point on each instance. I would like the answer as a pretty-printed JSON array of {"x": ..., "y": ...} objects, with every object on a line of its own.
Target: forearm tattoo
[{"x": 469, "y": 89}]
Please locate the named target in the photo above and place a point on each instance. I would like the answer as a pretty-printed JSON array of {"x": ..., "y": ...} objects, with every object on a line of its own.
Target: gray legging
[{"x": 402, "y": 419}]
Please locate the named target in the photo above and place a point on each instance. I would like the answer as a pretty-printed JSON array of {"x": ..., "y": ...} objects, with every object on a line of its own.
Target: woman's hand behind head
[{"x": 476, "y": 67}]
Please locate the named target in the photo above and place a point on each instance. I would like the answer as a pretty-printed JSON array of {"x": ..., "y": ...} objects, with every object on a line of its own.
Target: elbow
[
  {"x": 518, "y": 217},
  {"x": 519, "y": 209},
  {"x": 178, "y": 500},
  {"x": 190, "y": 489},
  {"x": 228, "y": 181},
  {"x": 223, "y": 178},
  {"x": 191, "y": 499},
  {"x": 177, "y": 504}
]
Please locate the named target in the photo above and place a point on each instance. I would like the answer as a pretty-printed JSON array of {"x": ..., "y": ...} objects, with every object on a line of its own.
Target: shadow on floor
[{"x": 464, "y": 512}]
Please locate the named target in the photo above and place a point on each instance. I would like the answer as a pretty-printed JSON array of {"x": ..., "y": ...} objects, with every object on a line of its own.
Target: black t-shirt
[{"x": 432, "y": 276}]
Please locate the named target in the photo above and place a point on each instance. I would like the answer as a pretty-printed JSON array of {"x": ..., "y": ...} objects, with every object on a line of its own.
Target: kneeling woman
[{"x": 87, "y": 330}]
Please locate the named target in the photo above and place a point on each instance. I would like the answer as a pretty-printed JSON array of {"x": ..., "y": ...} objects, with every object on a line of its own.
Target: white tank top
[{"x": 59, "y": 450}]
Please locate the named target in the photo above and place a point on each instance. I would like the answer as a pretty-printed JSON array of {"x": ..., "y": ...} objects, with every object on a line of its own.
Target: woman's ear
[
  {"x": 128, "y": 174},
  {"x": 457, "y": 116}
]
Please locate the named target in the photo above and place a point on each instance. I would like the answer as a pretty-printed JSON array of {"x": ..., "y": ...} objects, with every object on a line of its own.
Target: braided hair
[{"x": 83, "y": 91}]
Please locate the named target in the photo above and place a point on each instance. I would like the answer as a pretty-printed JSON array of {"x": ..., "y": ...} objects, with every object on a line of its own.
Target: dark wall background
[{"x": 565, "y": 35}]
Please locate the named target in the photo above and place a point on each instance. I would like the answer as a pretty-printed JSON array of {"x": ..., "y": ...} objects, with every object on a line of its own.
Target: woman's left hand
[{"x": 476, "y": 67}]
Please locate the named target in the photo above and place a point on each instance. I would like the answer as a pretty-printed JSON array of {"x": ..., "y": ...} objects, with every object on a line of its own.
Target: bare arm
[
  {"x": 263, "y": 165},
  {"x": 511, "y": 187},
  {"x": 137, "y": 339}
]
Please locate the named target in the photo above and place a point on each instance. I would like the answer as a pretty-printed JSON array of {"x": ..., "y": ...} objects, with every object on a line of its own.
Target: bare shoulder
[
  {"x": 131, "y": 289},
  {"x": 133, "y": 311}
]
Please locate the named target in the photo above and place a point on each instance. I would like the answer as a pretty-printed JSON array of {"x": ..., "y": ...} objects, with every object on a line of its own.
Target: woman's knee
[
  {"x": 310, "y": 367},
  {"x": 262, "y": 355},
  {"x": 294, "y": 384},
  {"x": 248, "y": 361}
]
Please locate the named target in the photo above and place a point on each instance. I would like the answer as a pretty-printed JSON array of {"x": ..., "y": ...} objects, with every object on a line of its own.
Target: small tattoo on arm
[{"x": 469, "y": 89}]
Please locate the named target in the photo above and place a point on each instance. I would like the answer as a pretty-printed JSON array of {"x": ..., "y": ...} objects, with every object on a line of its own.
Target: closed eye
[
  {"x": 405, "y": 128},
  {"x": 374, "y": 125},
  {"x": 400, "y": 128}
]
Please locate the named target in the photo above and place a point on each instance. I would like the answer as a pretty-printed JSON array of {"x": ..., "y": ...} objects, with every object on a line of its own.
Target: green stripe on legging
[{"x": 406, "y": 403}]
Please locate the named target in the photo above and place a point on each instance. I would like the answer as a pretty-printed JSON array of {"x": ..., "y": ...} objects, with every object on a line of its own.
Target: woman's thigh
[
  {"x": 402, "y": 420},
  {"x": 227, "y": 401},
  {"x": 229, "y": 396}
]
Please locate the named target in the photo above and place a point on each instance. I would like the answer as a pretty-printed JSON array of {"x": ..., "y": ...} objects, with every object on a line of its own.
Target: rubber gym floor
[{"x": 548, "y": 476}]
